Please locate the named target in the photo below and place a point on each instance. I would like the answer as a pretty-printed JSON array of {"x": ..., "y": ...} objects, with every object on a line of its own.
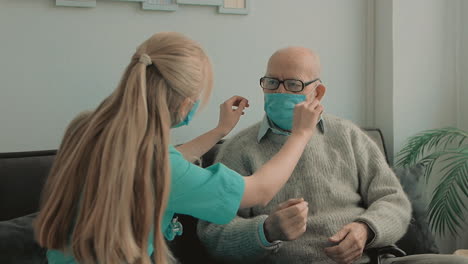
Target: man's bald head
[{"x": 294, "y": 62}]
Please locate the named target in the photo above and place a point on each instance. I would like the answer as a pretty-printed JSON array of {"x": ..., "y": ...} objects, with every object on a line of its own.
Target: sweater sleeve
[
  {"x": 238, "y": 240},
  {"x": 388, "y": 210}
]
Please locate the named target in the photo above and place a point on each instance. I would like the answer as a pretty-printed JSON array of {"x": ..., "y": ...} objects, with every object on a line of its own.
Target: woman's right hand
[
  {"x": 230, "y": 112},
  {"x": 306, "y": 116}
]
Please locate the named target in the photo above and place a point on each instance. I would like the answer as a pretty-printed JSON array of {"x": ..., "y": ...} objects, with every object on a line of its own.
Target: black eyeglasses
[{"x": 291, "y": 85}]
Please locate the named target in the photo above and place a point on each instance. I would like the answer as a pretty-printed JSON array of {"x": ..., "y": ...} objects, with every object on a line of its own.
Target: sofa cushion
[
  {"x": 418, "y": 239},
  {"x": 17, "y": 244}
]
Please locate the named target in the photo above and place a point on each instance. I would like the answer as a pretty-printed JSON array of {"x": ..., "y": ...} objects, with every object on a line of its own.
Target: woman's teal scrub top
[{"x": 212, "y": 194}]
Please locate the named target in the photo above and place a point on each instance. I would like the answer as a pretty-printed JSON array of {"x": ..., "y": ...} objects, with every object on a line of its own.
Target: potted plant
[{"x": 448, "y": 149}]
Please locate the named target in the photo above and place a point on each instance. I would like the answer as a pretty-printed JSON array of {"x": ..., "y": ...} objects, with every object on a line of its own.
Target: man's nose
[{"x": 281, "y": 88}]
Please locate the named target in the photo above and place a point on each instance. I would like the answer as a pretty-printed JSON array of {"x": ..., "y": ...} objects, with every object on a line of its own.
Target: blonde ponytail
[{"x": 110, "y": 182}]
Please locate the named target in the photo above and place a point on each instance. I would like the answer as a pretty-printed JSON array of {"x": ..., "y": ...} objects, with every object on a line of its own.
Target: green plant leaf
[
  {"x": 441, "y": 146},
  {"x": 429, "y": 162},
  {"x": 428, "y": 140},
  {"x": 445, "y": 207}
]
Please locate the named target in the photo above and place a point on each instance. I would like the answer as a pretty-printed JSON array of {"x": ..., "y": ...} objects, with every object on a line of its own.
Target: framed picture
[
  {"x": 76, "y": 3},
  {"x": 201, "y": 2},
  {"x": 162, "y": 5},
  {"x": 238, "y": 7}
]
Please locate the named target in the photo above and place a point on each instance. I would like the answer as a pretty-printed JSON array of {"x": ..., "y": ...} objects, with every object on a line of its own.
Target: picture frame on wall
[
  {"x": 76, "y": 3},
  {"x": 160, "y": 5},
  {"x": 237, "y": 7}
]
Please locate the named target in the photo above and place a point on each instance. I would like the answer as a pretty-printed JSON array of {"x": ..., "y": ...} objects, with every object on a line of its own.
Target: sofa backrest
[
  {"x": 376, "y": 135},
  {"x": 22, "y": 176}
]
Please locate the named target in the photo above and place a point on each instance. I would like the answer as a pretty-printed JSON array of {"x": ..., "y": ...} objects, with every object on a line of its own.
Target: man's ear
[{"x": 320, "y": 91}]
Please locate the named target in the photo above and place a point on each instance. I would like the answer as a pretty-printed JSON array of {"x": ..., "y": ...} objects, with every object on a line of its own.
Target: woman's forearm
[
  {"x": 263, "y": 185},
  {"x": 195, "y": 148}
]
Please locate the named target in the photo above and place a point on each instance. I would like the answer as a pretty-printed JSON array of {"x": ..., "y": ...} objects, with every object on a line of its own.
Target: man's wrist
[
  {"x": 264, "y": 238},
  {"x": 266, "y": 233},
  {"x": 369, "y": 232}
]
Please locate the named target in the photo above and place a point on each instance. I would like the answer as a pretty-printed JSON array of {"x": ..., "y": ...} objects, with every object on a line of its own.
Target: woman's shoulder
[
  {"x": 173, "y": 150},
  {"x": 56, "y": 256}
]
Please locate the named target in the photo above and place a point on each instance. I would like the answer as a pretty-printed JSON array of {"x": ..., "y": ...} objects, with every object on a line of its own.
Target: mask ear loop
[
  {"x": 179, "y": 116},
  {"x": 310, "y": 101},
  {"x": 192, "y": 103},
  {"x": 319, "y": 82},
  {"x": 307, "y": 95}
]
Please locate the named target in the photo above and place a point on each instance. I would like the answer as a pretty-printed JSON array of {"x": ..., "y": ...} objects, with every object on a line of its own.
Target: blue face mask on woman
[
  {"x": 279, "y": 108},
  {"x": 189, "y": 116}
]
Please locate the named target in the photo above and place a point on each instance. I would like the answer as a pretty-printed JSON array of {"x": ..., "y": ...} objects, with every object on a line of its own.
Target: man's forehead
[
  {"x": 290, "y": 67},
  {"x": 293, "y": 62}
]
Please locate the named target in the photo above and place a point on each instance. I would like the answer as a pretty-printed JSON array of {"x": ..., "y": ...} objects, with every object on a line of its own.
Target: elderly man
[{"x": 341, "y": 199}]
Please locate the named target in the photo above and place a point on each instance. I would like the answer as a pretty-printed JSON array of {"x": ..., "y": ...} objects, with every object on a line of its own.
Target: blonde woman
[{"x": 116, "y": 182}]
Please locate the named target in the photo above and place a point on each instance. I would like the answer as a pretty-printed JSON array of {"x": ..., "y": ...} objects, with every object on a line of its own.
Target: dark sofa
[{"x": 23, "y": 174}]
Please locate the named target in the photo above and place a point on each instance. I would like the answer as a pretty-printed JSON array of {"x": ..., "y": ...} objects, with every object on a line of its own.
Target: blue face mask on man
[
  {"x": 279, "y": 108},
  {"x": 189, "y": 116}
]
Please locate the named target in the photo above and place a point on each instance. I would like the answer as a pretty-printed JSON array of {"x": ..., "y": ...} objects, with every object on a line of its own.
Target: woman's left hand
[{"x": 230, "y": 113}]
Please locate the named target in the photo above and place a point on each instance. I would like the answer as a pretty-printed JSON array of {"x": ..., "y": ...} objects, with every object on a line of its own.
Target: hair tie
[{"x": 145, "y": 59}]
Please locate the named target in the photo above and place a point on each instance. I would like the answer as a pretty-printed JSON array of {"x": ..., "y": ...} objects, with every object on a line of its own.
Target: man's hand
[
  {"x": 288, "y": 221},
  {"x": 352, "y": 240}
]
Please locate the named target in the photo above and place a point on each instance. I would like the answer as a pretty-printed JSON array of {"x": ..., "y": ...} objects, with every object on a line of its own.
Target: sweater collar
[{"x": 266, "y": 125}]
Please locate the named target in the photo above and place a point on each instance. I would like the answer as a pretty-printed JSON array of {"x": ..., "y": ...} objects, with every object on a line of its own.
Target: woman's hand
[
  {"x": 306, "y": 116},
  {"x": 230, "y": 113}
]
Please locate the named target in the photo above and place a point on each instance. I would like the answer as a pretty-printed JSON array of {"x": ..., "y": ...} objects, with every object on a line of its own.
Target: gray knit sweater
[{"x": 342, "y": 175}]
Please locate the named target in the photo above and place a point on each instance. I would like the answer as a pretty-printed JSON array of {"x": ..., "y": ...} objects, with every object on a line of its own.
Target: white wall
[
  {"x": 421, "y": 61},
  {"x": 58, "y": 61},
  {"x": 463, "y": 72},
  {"x": 429, "y": 63},
  {"x": 384, "y": 71},
  {"x": 461, "y": 8},
  {"x": 424, "y": 86}
]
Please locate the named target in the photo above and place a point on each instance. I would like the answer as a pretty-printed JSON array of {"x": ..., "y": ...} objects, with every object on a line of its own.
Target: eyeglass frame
[{"x": 304, "y": 84}]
